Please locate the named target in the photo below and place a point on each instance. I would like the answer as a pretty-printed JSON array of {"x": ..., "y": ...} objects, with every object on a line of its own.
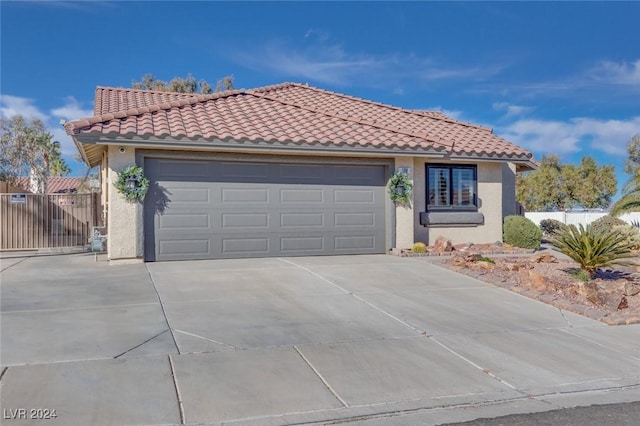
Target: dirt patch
[{"x": 612, "y": 297}]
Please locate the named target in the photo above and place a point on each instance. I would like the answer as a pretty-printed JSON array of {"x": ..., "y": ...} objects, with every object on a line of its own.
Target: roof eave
[
  {"x": 81, "y": 150},
  {"x": 99, "y": 139}
]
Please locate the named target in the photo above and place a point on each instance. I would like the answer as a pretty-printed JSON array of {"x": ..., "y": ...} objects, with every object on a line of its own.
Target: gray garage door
[{"x": 210, "y": 210}]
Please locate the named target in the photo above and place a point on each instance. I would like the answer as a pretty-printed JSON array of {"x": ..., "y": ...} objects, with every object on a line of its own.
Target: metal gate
[{"x": 33, "y": 221}]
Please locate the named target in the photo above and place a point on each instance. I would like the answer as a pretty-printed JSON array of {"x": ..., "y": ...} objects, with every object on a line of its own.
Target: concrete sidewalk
[{"x": 372, "y": 339}]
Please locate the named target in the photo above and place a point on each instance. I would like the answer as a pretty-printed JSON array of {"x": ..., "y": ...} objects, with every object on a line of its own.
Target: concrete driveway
[{"x": 372, "y": 339}]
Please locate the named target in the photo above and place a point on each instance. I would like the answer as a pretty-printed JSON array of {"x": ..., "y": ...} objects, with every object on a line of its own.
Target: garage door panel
[
  {"x": 242, "y": 172},
  {"x": 246, "y": 246},
  {"x": 188, "y": 247},
  {"x": 243, "y": 195},
  {"x": 302, "y": 220},
  {"x": 237, "y": 212},
  {"x": 188, "y": 195},
  {"x": 185, "y": 221},
  {"x": 354, "y": 219},
  {"x": 301, "y": 173},
  {"x": 354, "y": 242},
  {"x": 181, "y": 171},
  {"x": 308, "y": 245},
  {"x": 363, "y": 175},
  {"x": 301, "y": 196},
  {"x": 354, "y": 196},
  {"x": 245, "y": 221}
]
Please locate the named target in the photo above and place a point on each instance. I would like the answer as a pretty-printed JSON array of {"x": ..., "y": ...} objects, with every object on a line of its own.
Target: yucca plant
[{"x": 593, "y": 249}]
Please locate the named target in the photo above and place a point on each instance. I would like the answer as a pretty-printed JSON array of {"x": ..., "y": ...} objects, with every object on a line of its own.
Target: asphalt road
[{"x": 627, "y": 414}]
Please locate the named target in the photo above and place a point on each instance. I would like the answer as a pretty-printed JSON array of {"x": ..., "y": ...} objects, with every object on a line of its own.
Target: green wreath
[
  {"x": 132, "y": 183},
  {"x": 400, "y": 187}
]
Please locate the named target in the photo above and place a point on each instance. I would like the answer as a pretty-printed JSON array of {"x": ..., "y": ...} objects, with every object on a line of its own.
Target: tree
[
  {"x": 630, "y": 200},
  {"x": 557, "y": 186},
  {"x": 26, "y": 148},
  {"x": 182, "y": 85}
]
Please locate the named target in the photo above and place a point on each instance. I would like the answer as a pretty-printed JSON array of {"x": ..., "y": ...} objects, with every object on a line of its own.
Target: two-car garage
[{"x": 232, "y": 209}]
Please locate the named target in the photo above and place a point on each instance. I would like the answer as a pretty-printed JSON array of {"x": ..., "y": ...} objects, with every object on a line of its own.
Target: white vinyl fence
[{"x": 577, "y": 218}]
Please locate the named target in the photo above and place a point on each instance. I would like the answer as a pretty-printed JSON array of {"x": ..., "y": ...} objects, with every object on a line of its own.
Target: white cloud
[
  {"x": 71, "y": 110},
  {"x": 15, "y": 105},
  {"x": 319, "y": 62},
  {"x": 610, "y": 136},
  {"x": 319, "y": 59},
  {"x": 622, "y": 73},
  {"x": 475, "y": 73},
  {"x": 67, "y": 147},
  {"x": 563, "y": 137},
  {"x": 512, "y": 110},
  {"x": 80, "y": 5}
]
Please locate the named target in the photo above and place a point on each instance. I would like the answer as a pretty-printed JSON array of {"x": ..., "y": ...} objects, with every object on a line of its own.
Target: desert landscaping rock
[
  {"x": 442, "y": 245},
  {"x": 613, "y": 297},
  {"x": 631, "y": 289},
  {"x": 545, "y": 258}
]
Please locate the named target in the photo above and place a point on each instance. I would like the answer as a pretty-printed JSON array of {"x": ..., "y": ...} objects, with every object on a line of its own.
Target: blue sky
[{"x": 553, "y": 77}]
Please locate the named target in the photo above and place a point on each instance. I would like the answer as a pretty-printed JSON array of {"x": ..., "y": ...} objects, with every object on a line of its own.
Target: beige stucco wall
[
  {"x": 490, "y": 199},
  {"x": 124, "y": 219},
  {"x": 405, "y": 214}
]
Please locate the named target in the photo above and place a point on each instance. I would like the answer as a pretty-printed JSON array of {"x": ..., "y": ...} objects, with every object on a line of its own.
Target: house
[
  {"x": 289, "y": 170},
  {"x": 55, "y": 185}
]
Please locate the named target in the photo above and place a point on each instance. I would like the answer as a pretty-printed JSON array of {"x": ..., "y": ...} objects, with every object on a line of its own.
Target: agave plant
[{"x": 593, "y": 249}]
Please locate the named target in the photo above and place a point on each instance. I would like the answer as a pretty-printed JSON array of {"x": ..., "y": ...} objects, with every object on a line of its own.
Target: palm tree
[{"x": 630, "y": 201}]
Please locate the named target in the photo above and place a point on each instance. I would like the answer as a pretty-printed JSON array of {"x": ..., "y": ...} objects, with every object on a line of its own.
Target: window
[{"x": 451, "y": 187}]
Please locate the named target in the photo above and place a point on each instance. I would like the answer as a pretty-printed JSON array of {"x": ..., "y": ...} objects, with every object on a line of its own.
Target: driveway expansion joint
[
  {"x": 357, "y": 297},
  {"x": 164, "y": 312},
  {"x": 565, "y": 318},
  {"x": 473, "y": 364},
  {"x": 137, "y": 346},
  {"x": 322, "y": 379},
  {"x": 598, "y": 343},
  {"x": 177, "y": 388},
  {"x": 208, "y": 339}
]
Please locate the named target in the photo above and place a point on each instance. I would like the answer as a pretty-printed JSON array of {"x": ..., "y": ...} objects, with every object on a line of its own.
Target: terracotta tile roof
[
  {"x": 55, "y": 185},
  {"x": 110, "y": 99},
  {"x": 287, "y": 113}
]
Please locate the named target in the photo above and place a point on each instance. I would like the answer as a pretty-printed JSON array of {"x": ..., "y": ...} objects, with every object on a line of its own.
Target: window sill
[{"x": 449, "y": 218}]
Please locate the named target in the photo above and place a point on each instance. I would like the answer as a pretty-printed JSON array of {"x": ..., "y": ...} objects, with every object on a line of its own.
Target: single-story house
[
  {"x": 289, "y": 170},
  {"x": 55, "y": 185}
]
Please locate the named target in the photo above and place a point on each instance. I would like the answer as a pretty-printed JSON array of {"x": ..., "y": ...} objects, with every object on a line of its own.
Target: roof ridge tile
[
  {"x": 393, "y": 107},
  {"x": 348, "y": 118}
]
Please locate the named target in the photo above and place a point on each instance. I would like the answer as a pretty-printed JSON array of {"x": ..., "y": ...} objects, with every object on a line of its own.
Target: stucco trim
[{"x": 433, "y": 219}]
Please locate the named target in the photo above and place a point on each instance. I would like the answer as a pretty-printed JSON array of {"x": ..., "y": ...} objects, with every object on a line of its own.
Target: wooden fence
[{"x": 33, "y": 221}]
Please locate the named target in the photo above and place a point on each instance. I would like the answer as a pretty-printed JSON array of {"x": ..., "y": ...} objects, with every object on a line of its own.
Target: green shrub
[
  {"x": 519, "y": 231},
  {"x": 631, "y": 234},
  {"x": 551, "y": 226},
  {"x": 580, "y": 274},
  {"x": 419, "y": 248},
  {"x": 486, "y": 259},
  {"x": 606, "y": 223},
  {"x": 593, "y": 249}
]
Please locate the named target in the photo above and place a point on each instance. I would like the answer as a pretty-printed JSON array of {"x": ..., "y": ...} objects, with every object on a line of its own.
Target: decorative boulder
[{"x": 442, "y": 245}]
